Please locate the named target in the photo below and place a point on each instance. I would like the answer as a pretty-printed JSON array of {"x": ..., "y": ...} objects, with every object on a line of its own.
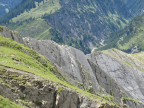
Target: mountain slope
[
  {"x": 80, "y": 24},
  {"x": 117, "y": 77},
  {"x": 136, "y": 7},
  {"x": 7, "y": 5},
  {"x": 85, "y": 24},
  {"x": 30, "y": 80},
  {"x": 129, "y": 39},
  {"x": 29, "y": 22},
  {"x": 64, "y": 72}
]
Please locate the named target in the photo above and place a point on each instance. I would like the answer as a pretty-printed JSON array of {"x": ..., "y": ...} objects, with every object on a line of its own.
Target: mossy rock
[
  {"x": 2, "y": 69},
  {"x": 60, "y": 89},
  {"x": 1, "y": 28},
  {"x": 6, "y": 103}
]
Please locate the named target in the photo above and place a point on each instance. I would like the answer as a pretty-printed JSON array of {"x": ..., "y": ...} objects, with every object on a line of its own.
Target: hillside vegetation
[
  {"x": 31, "y": 9},
  {"x": 128, "y": 39},
  {"x": 35, "y": 28},
  {"x": 26, "y": 18},
  {"x": 74, "y": 23},
  {"x": 81, "y": 24},
  {"x": 6, "y": 103},
  {"x": 7, "y": 5}
]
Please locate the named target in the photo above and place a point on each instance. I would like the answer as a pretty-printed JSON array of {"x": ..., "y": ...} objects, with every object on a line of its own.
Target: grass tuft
[{"x": 6, "y": 103}]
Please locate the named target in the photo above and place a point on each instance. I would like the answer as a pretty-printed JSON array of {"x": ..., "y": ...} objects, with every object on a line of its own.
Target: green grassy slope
[
  {"x": 128, "y": 38},
  {"x": 6, "y": 103},
  {"x": 20, "y": 57},
  {"x": 29, "y": 21},
  {"x": 36, "y": 28},
  {"x": 42, "y": 8},
  {"x": 31, "y": 9}
]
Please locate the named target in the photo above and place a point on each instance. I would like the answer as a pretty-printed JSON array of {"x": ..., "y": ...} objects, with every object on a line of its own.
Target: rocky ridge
[
  {"x": 107, "y": 72},
  {"x": 24, "y": 80},
  {"x": 102, "y": 71},
  {"x": 5, "y": 32}
]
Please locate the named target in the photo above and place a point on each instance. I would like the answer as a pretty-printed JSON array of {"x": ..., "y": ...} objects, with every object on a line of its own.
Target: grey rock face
[
  {"x": 121, "y": 69},
  {"x": 116, "y": 72},
  {"x": 71, "y": 62},
  {"x": 124, "y": 78},
  {"x": 11, "y": 34}
]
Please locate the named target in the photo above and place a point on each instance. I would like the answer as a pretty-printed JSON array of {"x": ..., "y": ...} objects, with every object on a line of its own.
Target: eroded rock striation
[
  {"x": 113, "y": 71},
  {"x": 71, "y": 62}
]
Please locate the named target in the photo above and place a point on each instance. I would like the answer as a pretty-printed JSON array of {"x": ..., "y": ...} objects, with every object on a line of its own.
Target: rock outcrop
[
  {"x": 124, "y": 69},
  {"x": 5, "y": 32},
  {"x": 71, "y": 62},
  {"x": 113, "y": 71},
  {"x": 32, "y": 91}
]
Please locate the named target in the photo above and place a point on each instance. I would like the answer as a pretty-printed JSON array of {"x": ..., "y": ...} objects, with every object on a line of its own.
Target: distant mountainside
[
  {"x": 129, "y": 39},
  {"x": 7, "y": 5},
  {"x": 81, "y": 24},
  {"x": 85, "y": 24},
  {"x": 136, "y": 7}
]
